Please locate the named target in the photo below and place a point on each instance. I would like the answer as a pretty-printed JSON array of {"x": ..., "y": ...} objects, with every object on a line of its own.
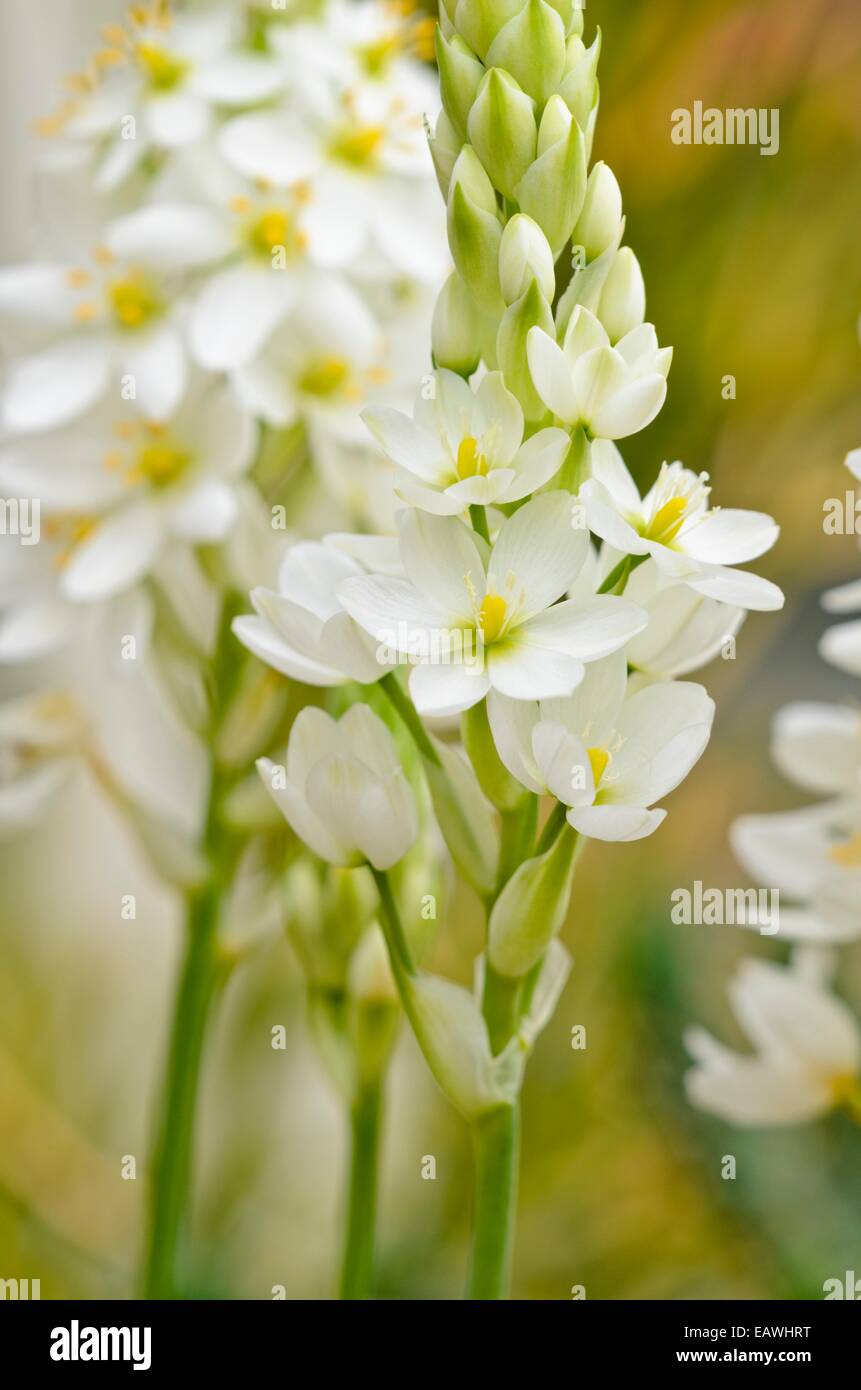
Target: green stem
[
  {"x": 618, "y": 576},
  {"x": 501, "y": 1006},
  {"x": 552, "y": 827},
  {"x": 357, "y": 1270},
  {"x": 496, "y": 1139},
  {"x": 478, "y": 517},
  {"x": 172, "y": 1162},
  {"x": 393, "y": 927},
  {"x": 407, "y": 712}
]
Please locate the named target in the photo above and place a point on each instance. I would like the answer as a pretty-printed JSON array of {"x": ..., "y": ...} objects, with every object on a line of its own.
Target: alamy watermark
[
  {"x": 730, "y": 907},
  {"x": 736, "y": 126},
  {"x": 21, "y": 516}
]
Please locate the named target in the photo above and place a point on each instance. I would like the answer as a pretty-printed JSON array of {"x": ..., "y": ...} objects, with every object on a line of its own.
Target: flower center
[
  {"x": 325, "y": 376},
  {"x": 667, "y": 521},
  {"x": 274, "y": 228},
  {"x": 847, "y": 855},
  {"x": 598, "y": 760},
  {"x": 160, "y": 463},
  {"x": 358, "y": 146},
  {"x": 163, "y": 70},
  {"x": 470, "y": 463},
  {"x": 133, "y": 302},
  {"x": 491, "y": 616}
]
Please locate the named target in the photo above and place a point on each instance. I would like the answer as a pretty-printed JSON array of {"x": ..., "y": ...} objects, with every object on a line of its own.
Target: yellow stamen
[
  {"x": 103, "y": 255},
  {"x": 164, "y": 71},
  {"x": 667, "y": 521},
  {"x": 470, "y": 463},
  {"x": 358, "y": 147},
  {"x": 271, "y": 229},
  {"x": 133, "y": 302},
  {"x": 491, "y": 616},
  {"x": 160, "y": 463},
  {"x": 325, "y": 376},
  {"x": 78, "y": 278},
  {"x": 240, "y": 205},
  {"x": 113, "y": 460},
  {"x": 847, "y": 855},
  {"x": 85, "y": 313},
  {"x": 598, "y": 760}
]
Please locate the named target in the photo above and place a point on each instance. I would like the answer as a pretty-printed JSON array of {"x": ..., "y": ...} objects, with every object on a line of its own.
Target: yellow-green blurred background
[{"x": 753, "y": 268}]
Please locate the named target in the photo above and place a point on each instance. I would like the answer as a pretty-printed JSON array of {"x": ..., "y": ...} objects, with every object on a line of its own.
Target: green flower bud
[
  {"x": 445, "y": 146},
  {"x": 600, "y": 220},
  {"x": 524, "y": 255},
  {"x": 586, "y": 284},
  {"x": 552, "y": 190},
  {"x": 479, "y": 21},
  {"x": 460, "y": 74},
  {"x": 502, "y": 129},
  {"x": 474, "y": 231},
  {"x": 575, "y": 24},
  {"x": 579, "y": 85},
  {"x": 496, "y": 781},
  {"x": 453, "y": 1037},
  {"x": 455, "y": 332},
  {"x": 622, "y": 305},
  {"x": 464, "y": 817},
  {"x": 531, "y": 908},
  {"x": 531, "y": 47},
  {"x": 531, "y": 310}
]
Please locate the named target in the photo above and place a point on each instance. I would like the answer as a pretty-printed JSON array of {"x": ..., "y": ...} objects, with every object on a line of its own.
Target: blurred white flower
[
  {"x": 673, "y": 523},
  {"x": 464, "y": 447},
  {"x": 607, "y": 752},
  {"x": 343, "y": 791},
  {"x": 115, "y": 485},
  {"x": 111, "y": 325},
  {"x": 610, "y": 391},
  {"x": 40, "y": 735},
  {"x": 474, "y": 618},
  {"x": 807, "y": 1052}
]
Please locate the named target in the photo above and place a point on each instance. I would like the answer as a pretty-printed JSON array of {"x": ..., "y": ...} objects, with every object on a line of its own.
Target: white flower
[
  {"x": 39, "y": 737},
  {"x": 686, "y": 630},
  {"x": 168, "y": 75},
  {"x": 302, "y": 630},
  {"x": 111, "y": 324},
  {"x": 475, "y": 618},
  {"x": 319, "y": 364},
  {"x": 807, "y": 1057},
  {"x": 344, "y": 792},
  {"x": 841, "y": 645},
  {"x": 609, "y": 751},
  {"x": 364, "y": 157},
  {"x": 818, "y": 746},
  {"x": 368, "y": 42},
  {"x": 674, "y": 524},
  {"x": 813, "y": 856},
  {"x": 116, "y": 486},
  {"x": 465, "y": 447},
  {"x": 610, "y": 391}
]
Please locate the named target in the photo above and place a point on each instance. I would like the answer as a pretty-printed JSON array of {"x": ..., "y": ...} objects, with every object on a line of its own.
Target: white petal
[
  {"x": 564, "y": 763},
  {"x": 442, "y": 558},
  {"x": 586, "y": 630},
  {"x": 542, "y": 550},
  {"x": 204, "y": 513},
  {"x": 170, "y": 236},
  {"x": 239, "y": 79},
  {"x": 119, "y": 552},
  {"x": 56, "y": 385},
  {"x": 511, "y": 723},
  {"x": 729, "y": 536},
  {"x": 818, "y": 746},
  {"x": 663, "y": 729},
  {"x": 406, "y": 444},
  {"x": 260, "y": 638},
  {"x": 551, "y": 375},
  {"x": 841, "y": 646},
  {"x": 737, "y": 587},
  {"x": 527, "y": 670},
  {"x": 536, "y": 463},
  {"x": 156, "y": 359},
  {"x": 176, "y": 118},
  {"x": 630, "y": 408},
  {"x": 442, "y": 690},
  {"x": 274, "y": 148},
  {"x": 614, "y": 822},
  {"x": 236, "y": 312}
]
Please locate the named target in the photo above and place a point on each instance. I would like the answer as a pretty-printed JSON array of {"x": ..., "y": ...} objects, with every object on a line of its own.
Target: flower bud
[
  {"x": 531, "y": 47},
  {"x": 464, "y": 817},
  {"x": 455, "y": 332},
  {"x": 552, "y": 189},
  {"x": 601, "y": 215},
  {"x": 579, "y": 86},
  {"x": 524, "y": 255},
  {"x": 531, "y": 908},
  {"x": 460, "y": 74},
  {"x": 622, "y": 305},
  {"x": 474, "y": 231},
  {"x": 530, "y": 311},
  {"x": 479, "y": 21},
  {"x": 445, "y": 146},
  {"x": 502, "y": 129}
]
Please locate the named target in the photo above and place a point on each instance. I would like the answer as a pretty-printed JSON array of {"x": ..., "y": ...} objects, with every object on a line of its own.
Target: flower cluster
[
  {"x": 808, "y": 1044},
  {"x": 527, "y": 588}
]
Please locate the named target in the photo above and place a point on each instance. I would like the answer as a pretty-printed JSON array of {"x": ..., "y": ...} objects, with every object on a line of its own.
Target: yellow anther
[
  {"x": 160, "y": 463},
  {"x": 240, "y": 204},
  {"x": 77, "y": 278},
  {"x": 164, "y": 71},
  {"x": 85, "y": 313},
  {"x": 103, "y": 255},
  {"x": 271, "y": 229},
  {"x": 491, "y": 616},
  {"x": 470, "y": 463},
  {"x": 598, "y": 760},
  {"x": 113, "y": 460}
]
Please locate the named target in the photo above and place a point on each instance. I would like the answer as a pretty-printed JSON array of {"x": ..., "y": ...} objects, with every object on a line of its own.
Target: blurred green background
[{"x": 753, "y": 269}]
